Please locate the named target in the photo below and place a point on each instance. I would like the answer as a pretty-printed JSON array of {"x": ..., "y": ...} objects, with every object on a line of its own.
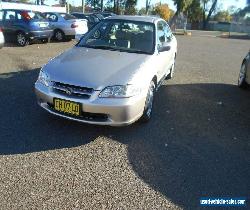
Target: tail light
[
  {"x": 1, "y": 29},
  {"x": 74, "y": 25},
  {"x": 25, "y": 15}
]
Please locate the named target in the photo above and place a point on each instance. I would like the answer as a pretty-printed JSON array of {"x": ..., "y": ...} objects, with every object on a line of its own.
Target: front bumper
[
  {"x": 118, "y": 112},
  {"x": 45, "y": 34}
]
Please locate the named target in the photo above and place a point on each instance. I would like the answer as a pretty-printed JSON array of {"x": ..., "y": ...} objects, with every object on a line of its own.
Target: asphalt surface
[{"x": 197, "y": 143}]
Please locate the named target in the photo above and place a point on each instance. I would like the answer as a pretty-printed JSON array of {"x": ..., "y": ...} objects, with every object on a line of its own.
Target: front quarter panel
[{"x": 146, "y": 73}]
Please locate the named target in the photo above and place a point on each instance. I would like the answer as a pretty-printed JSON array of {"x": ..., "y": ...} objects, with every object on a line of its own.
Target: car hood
[{"x": 95, "y": 68}]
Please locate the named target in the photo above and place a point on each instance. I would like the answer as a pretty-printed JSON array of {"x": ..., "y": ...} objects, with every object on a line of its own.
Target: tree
[
  {"x": 148, "y": 2},
  {"x": 23, "y": 1},
  {"x": 142, "y": 11},
  {"x": 130, "y": 7},
  {"x": 223, "y": 16},
  {"x": 194, "y": 12},
  {"x": 182, "y": 5},
  {"x": 163, "y": 11},
  {"x": 211, "y": 10}
]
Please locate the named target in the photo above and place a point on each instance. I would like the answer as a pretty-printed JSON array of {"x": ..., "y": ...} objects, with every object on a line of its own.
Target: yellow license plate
[{"x": 67, "y": 107}]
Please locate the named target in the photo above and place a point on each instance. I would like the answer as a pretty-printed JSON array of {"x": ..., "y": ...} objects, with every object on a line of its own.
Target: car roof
[{"x": 149, "y": 19}]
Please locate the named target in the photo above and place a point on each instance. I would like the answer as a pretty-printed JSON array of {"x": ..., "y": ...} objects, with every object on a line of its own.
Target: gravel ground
[{"x": 197, "y": 143}]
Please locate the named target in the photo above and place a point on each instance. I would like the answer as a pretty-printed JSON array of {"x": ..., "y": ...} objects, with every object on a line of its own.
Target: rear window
[
  {"x": 35, "y": 15},
  {"x": 67, "y": 16}
]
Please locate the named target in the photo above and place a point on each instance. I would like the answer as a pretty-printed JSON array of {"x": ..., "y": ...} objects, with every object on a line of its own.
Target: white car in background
[
  {"x": 1, "y": 38},
  {"x": 66, "y": 26}
]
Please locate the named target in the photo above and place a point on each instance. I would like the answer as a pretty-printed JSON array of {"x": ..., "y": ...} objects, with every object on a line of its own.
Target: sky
[{"x": 141, "y": 3}]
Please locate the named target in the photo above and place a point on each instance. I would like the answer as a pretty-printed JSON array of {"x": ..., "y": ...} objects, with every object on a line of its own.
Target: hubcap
[
  {"x": 242, "y": 74},
  {"x": 21, "y": 39},
  {"x": 59, "y": 35},
  {"x": 149, "y": 102}
]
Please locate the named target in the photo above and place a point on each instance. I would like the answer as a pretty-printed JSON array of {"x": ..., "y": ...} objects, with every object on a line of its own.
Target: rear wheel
[
  {"x": 59, "y": 35},
  {"x": 242, "y": 77},
  {"x": 21, "y": 39},
  {"x": 149, "y": 103}
]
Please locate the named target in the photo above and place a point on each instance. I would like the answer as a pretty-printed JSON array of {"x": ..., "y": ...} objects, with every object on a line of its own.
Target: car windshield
[
  {"x": 67, "y": 16},
  {"x": 120, "y": 35}
]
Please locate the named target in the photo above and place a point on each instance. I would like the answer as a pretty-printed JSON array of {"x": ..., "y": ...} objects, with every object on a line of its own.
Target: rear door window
[
  {"x": 67, "y": 16},
  {"x": 10, "y": 15},
  {"x": 35, "y": 15}
]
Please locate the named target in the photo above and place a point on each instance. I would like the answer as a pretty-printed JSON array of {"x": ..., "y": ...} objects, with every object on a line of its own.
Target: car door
[
  {"x": 164, "y": 59},
  {"x": 9, "y": 19}
]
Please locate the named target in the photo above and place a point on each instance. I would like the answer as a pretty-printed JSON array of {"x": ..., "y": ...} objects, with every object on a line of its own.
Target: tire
[
  {"x": 21, "y": 39},
  {"x": 171, "y": 74},
  {"x": 59, "y": 35},
  {"x": 242, "y": 77},
  {"x": 147, "y": 113}
]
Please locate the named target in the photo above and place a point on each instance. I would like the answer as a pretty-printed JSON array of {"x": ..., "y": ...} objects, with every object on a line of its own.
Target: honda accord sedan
[{"x": 110, "y": 77}]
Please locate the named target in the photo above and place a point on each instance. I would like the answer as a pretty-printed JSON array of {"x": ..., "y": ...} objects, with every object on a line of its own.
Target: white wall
[{"x": 39, "y": 8}]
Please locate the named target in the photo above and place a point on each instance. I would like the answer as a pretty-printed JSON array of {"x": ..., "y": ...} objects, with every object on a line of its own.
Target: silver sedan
[{"x": 110, "y": 77}]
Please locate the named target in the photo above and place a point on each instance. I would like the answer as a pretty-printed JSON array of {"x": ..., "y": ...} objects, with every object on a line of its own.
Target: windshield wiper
[
  {"x": 103, "y": 47},
  {"x": 138, "y": 51}
]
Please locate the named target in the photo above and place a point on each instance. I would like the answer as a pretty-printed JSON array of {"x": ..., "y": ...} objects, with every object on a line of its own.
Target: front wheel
[
  {"x": 147, "y": 113},
  {"x": 59, "y": 36},
  {"x": 21, "y": 39},
  {"x": 242, "y": 77}
]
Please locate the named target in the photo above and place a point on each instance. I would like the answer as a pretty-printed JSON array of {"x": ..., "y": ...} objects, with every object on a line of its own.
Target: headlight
[
  {"x": 120, "y": 91},
  {"x": 43, "y": 78}
]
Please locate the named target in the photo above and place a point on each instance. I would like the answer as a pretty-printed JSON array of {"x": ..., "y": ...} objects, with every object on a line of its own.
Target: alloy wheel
[{"x": 21, "y": 39}]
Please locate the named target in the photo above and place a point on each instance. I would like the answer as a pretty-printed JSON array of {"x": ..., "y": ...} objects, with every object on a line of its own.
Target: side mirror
[{"x": 164, "y": 48}]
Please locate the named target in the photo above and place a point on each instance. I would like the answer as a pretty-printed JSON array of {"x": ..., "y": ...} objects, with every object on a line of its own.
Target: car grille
[{"x": 72, "y": 90}]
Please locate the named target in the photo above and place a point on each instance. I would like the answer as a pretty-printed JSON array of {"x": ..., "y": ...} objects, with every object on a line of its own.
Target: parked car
[
  {"x": 1, "y": 38},
  {"x": 66, "y": 26},
  {"x": 91, "y": 18},
  {"x": 244, "y": 76},
  {"x": 24, "y": 26},
  {"x": 99, "y": 16},
  {"x": 110, "y": 77},
  {"x": 107, "y": 14}
]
